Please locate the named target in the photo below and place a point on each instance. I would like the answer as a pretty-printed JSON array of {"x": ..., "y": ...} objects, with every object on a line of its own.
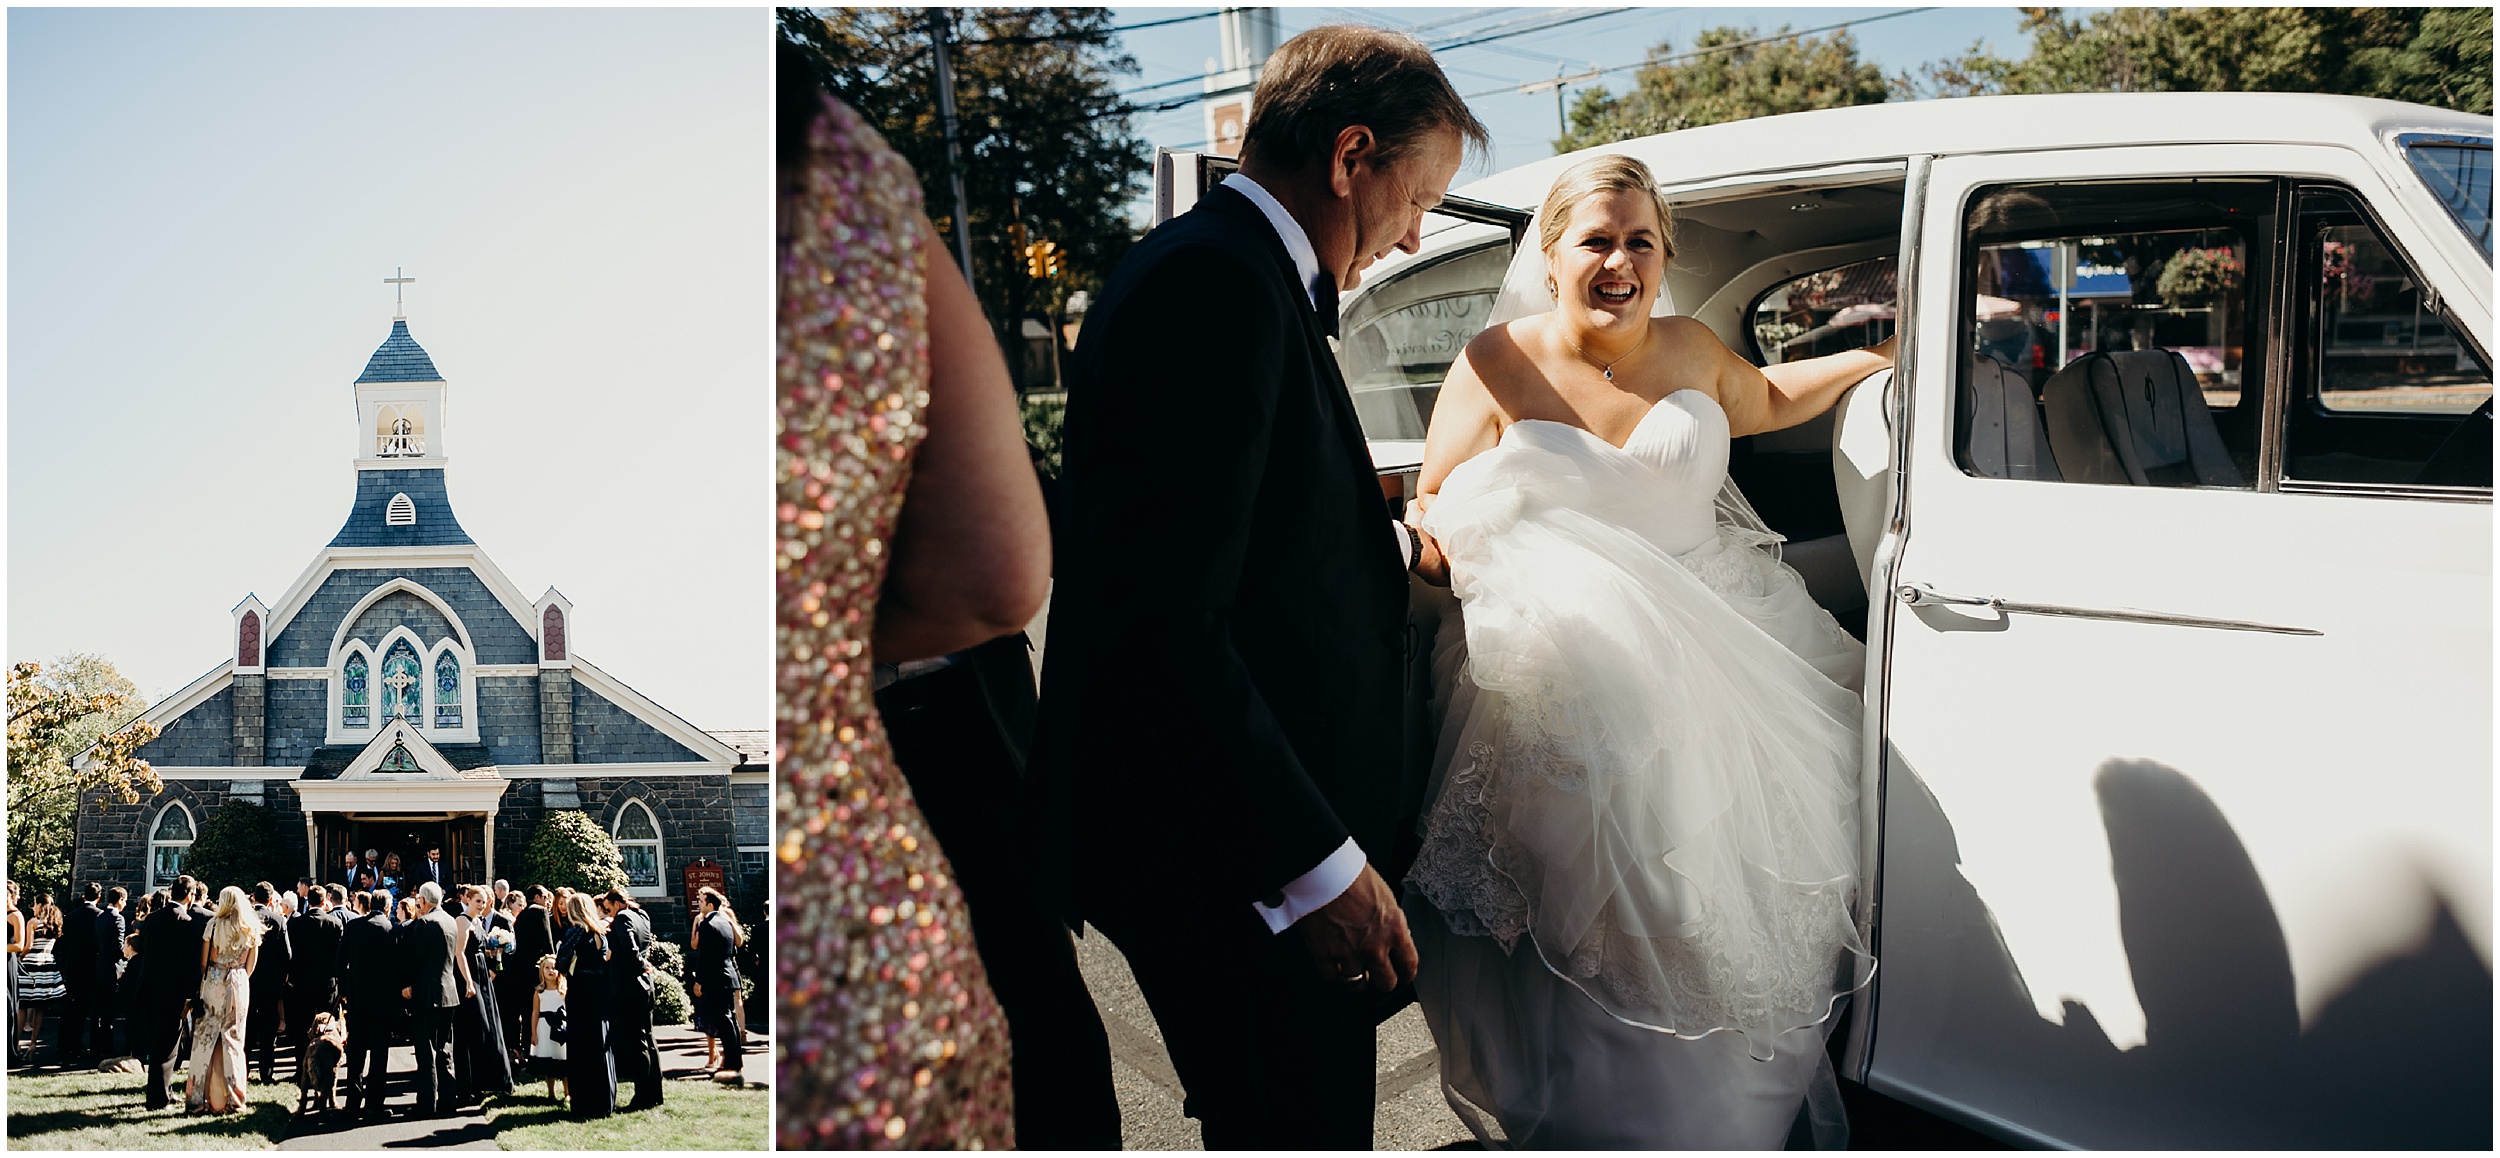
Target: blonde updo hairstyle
[{"x": 1609, "y": 173}]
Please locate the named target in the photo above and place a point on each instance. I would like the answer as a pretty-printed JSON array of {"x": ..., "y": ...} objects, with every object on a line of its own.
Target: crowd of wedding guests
[{"x": 490, "y": 985}]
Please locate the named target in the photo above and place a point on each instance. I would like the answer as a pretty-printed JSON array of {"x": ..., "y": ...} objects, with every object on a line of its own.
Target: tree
[
  {"x": 54, "y": 716},
  {"x": 1727, "y": 77},
  {"x": 239, "y": 844},
  {"x": 1043, "y": 136},
  {"x": 2433, "y": 56},
  {"x": 571, "y": 850}
]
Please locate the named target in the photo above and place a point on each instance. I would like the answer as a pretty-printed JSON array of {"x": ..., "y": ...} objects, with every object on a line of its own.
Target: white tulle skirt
[{"x": 1634, "y": 895}]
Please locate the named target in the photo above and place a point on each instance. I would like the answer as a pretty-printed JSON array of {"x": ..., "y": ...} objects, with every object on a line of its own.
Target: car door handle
[{"x": 1922, "y": 595}]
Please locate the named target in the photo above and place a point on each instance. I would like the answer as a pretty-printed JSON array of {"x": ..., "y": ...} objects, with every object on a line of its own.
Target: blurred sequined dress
[{"x": 888, "y": 1033}]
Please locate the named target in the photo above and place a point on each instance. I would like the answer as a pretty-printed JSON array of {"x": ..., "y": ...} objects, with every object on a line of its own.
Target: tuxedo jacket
[
  {"x": 1221, "y": 697},
  {"x": 431, "y": 959},
  {"x": 169, "y": 973},
  {"x": 715, "y": 953},
  {"x": 314, "y": 937},
  {"x": 533, "y": 937},
  {"x": 369, "y": 969},
  {"x": 277, "y": 949}
]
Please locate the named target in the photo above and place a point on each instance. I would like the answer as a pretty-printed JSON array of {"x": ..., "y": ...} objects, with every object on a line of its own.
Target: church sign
[{"x": 701, "y": 874}]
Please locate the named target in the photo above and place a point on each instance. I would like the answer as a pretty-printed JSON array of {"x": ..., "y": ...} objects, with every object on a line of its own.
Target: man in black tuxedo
[
  {"x": 312, "y": 979},
  {"x": 1222, "y": 704},
  {"x": 369, "y": 976},
  {"x": 431, "y": 868},
  {"x": 112, "y": 932},
  {"x": 168, "y": 969},
  {"x": 713, "y": 978},
  {"x": 269, "y": 977},
  {"x": 533, "y": 937},
  {"x": 629, "y": 999},
  {"x": 348, "y": 868},
  {"x": 438, "y": 977},
  {"x": 75, "y": 951}
]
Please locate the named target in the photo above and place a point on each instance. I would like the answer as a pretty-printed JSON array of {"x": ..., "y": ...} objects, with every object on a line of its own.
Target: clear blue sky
[
  {"x": 202, "y": 205},
  {"x": 1524, "y": 125}
]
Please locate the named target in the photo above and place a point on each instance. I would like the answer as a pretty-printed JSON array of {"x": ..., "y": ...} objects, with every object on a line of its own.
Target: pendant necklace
[{"x": 1608, "y": 368}]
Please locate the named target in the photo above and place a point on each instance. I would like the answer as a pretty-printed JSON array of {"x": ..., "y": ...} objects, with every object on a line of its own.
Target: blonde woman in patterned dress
[
  {"x": 910, "y": 526},
  {"x": 227, "y": 952}
]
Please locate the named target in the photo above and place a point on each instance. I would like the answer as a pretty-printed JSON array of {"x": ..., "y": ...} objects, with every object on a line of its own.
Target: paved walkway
[{"x": 1409, "y": 1113}]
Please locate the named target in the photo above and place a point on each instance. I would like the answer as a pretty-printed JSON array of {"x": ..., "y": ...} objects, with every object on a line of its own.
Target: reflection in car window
[
  {"x": 1827, "y": 312},
  {"x": 2387, "y": 384},
  {"x": 2108, "y": 333},
  {"x": 1400, "y": 339},
  {"x": 2460, "y": 176}
]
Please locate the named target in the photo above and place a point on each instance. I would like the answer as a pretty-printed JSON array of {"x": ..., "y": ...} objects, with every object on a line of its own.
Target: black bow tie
[{"x": 1324, "y": 300}]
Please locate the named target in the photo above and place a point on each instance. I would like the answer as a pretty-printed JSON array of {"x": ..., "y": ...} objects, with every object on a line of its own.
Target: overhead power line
[
  {"x": 1548, "y": 85},
  {"x": 1097, "y": 34},
  {"x": 1533, "y": 22}
]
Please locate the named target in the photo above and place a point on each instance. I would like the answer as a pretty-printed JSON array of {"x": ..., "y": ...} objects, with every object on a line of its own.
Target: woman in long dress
[
  {"x": 909, "y": 526},
  {"x": 1633, "y": 898},
  {"x": 19, "y": 944},
  {"x": 228, "y": 950},
  {"x": 483, "y": 1064},
  {"x": 582, "y": 956}
]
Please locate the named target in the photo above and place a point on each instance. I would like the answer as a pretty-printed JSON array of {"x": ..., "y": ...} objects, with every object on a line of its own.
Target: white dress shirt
[{"x": 1333, "y": 876}]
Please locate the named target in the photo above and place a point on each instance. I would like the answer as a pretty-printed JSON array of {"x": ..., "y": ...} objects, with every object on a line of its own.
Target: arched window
[
  {"x": 447, "y": 690},
  {"x": 169, "y": 844},
  {"x": 403, "y": 680},
  {"x": 353, "y": 692},
  {"x": 638, "y": 838}
]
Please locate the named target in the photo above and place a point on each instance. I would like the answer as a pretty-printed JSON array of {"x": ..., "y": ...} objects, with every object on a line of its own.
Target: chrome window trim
[
  {"x": 1858, "y": 1057},
  {"x": 2416, "y": 491}
]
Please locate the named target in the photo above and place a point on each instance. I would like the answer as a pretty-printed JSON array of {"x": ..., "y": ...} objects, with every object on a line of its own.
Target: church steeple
[{"x": 400, "y": 496}]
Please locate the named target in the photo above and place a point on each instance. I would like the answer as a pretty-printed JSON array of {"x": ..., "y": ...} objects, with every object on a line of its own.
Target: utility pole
[{"x": 941, "y": 33}]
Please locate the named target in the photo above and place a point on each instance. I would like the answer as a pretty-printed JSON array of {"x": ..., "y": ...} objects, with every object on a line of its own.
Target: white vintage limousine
[{"x": 2171, "y": 539}]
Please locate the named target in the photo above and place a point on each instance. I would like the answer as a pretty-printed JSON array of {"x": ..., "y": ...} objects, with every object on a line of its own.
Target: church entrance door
[{"x": 461, "y": 838}]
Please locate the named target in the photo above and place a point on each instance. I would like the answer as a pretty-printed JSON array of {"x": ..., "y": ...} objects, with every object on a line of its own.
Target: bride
[{"x": 1633, "y": 898}]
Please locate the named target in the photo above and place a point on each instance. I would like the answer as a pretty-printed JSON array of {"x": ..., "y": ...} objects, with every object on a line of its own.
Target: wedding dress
[{"x": 1633, "y": 897}]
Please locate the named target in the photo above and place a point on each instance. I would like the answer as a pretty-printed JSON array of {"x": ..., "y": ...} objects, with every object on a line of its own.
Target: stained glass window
[
  {"x": 169, "y": 845},
  {"x": 638, "y": 839},
  {"x": 447, "y": 691},
  {"x": 400, "y": 760},
  {"x": 402, "y": 677},
  {"x": 352, "y": 692}
]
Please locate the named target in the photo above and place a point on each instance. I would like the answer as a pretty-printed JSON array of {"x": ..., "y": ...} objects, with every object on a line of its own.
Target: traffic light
[{"x": 1041, "y": 259}]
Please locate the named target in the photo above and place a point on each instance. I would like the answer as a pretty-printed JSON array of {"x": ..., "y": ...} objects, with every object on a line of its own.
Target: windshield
[{"x": 2459, "y": 174}]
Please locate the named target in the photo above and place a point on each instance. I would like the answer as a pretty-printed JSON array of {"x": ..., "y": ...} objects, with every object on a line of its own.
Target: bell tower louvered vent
[{"x": 401, "y": 513}]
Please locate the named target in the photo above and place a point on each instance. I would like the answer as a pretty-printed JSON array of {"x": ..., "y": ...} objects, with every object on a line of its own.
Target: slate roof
[{"x": 400, "y": 359}]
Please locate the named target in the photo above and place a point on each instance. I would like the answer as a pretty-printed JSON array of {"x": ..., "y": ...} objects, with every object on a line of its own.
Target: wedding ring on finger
[{"x": 1356, "y": 978}]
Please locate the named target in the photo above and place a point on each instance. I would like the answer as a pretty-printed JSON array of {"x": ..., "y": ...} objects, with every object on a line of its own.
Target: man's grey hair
[{"x": 431, "y": 894}]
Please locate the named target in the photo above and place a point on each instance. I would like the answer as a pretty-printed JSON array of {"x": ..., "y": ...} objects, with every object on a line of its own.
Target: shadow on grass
[{"x": 460, "y": 1135}]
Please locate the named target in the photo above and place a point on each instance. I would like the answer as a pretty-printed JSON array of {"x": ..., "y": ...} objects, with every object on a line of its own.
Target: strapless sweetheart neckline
[{"x": 1646, "y": 415}]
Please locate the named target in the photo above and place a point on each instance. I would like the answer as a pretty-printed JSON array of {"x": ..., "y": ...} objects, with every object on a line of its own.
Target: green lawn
[
  {"x": 698, "y": 1115},
  {"x": 92, "y": 1111}
]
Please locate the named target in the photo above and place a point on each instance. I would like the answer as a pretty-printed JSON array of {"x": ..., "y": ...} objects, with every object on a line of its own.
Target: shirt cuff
[
  {"x": 1406, "y": 542},
  {"x": 1313, "y": 889}
]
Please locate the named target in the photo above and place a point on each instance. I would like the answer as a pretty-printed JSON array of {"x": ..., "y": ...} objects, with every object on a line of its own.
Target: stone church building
[{"x": 403, "y": 694}]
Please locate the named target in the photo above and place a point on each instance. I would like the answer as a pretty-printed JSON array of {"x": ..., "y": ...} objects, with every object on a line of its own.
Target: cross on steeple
[{"x": 399, "y": 290}]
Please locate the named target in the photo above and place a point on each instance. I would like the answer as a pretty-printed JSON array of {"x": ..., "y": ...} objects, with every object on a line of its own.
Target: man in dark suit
[
  {"x": 533, "y": 937},
  {"x": 629, "y": 998},
  {"x": 431, "y": 868},
  {"x": 269, "y": 976},
  {"x": 713, "y": 978},
  {"x": 438, "y": 977},
  {"x": 1223, "y": 705},
  {"x": 75, "y": 951},
  {"x": 312, "y": 978},
  {"x": 370, "y": 979},
  {"x": 349, "y": 866},
  {"x": 112, "y": 931},
  {"x": 168, "y": 969}
]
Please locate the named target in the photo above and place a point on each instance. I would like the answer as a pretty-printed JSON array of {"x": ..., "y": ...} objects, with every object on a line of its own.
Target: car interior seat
[
  {"x": 2002, "y": 435},
  {"x": 2134, "y": 417}
]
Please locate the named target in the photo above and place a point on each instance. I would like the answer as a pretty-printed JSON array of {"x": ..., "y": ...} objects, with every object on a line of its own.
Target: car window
[
  {"x": 1826, "y": 312},
  {"x": 2459, "y": 174},
  {"x": 2386, "y": 382},
  {"x": 1399, "y": 340},
  {"x": 2111, "y": 333}
]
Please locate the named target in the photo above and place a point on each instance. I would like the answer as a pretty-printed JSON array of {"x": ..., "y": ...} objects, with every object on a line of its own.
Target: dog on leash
[{"x": 325, "y": 1046}]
